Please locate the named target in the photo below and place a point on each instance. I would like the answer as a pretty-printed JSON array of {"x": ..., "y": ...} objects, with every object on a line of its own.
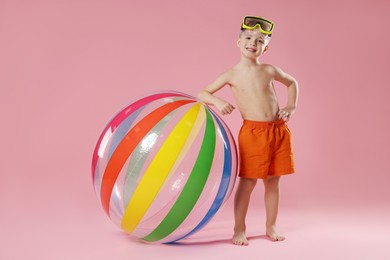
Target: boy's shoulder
[
  {"x": 228, "y": 73},
  {"x": 270, "y": 69},
  {"x": 267, "y": 66}
]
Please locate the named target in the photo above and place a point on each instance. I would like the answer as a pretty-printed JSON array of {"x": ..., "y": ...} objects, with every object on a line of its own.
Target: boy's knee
[
  {"x": 272, "y": 182},
  {"x": 247, "y": 183}
]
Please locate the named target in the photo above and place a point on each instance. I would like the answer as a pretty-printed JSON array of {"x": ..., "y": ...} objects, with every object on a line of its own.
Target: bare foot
[
  {"x": 239, "y": 239},
  {"x": 274, "y": 235}
]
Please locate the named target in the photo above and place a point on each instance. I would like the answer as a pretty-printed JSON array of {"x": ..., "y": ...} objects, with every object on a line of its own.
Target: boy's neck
[{"x": 247, "y": 62}]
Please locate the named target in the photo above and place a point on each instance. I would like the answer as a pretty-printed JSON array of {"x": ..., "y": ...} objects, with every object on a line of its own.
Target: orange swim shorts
[{"x": 265, "y": 149}]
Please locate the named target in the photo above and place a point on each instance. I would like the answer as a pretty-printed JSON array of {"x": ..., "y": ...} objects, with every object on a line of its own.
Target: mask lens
[{"x": 252, "y": 21}]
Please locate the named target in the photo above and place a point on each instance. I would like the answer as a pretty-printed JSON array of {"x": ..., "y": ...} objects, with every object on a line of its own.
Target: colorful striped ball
[{"x": 164, "y": 166}]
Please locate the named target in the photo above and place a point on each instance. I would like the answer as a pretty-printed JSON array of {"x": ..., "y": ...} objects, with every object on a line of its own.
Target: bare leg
[
  {"x": 271, "y": 198},
  {"x": 241, "y": 202}
]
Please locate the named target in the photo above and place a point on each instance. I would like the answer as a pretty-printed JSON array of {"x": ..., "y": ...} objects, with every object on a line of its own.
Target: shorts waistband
[{"x": 264, "y": 124}]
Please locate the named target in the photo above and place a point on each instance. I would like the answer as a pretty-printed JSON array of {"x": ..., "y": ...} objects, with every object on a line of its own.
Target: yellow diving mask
[{"x": 251, "y": 22}]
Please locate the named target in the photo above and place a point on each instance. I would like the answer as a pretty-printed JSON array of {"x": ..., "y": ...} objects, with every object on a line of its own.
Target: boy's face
[{"x": 253, "y": 43}]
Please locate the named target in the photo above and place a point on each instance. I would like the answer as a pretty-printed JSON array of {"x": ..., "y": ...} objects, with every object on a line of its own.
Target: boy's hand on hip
[
  {"x": 224, "y": 107},
  {"x": 286, "y": 113}
]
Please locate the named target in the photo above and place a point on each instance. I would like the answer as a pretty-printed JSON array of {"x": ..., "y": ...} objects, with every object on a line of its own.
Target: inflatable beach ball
[{"x": 164, "y": 166}]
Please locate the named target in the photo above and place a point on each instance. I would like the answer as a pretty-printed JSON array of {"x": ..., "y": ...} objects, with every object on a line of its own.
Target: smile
[{"x": 251, "y": 49}]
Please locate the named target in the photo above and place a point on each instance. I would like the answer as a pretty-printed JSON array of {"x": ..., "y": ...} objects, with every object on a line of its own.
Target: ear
[
  {"x": 238, "y": 42},
  {"x": 265, "y": 49}
]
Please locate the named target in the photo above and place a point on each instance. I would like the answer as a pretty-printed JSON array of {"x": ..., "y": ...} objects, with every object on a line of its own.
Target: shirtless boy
[{"x": 264, "y": 139}]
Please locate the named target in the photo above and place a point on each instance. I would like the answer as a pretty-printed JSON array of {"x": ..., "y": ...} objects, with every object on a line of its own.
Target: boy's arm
[
  {"x": 206, "y": 95},
  {"x": 292, "y": 98}
]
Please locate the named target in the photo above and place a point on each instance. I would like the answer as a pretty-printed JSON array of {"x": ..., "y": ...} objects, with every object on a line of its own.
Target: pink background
[{"x": 66, "y": 67}]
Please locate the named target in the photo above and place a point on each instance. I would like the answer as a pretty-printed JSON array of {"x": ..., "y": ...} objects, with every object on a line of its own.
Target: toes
[
  {"x": 237, "y": 243},
  {"x": 240, "y": 242},
  {"x": 276, "y": 237},
  {"x": 240, "y": 239}
]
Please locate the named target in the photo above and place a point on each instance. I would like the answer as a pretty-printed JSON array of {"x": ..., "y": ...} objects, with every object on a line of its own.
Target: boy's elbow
[
  {"x": 199, "y": 96},
  {"x": 294, "y": 83},
  {"x": 202, "y": 95}
]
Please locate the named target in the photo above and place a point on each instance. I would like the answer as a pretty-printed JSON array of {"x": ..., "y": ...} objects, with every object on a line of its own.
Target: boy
[{"x": 264, "y": 140}]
